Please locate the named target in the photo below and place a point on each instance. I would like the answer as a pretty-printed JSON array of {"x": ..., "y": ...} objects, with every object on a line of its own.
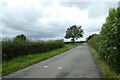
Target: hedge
[
  {"x": 11, "y": 49},
  {"x": 108, "y": 42}
]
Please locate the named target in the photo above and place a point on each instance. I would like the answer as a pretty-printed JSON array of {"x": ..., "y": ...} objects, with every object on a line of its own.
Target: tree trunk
[{"x": 73, "y": 40}]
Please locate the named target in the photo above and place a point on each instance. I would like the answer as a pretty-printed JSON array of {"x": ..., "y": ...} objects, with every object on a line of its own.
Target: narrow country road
[{"x": 75, "y": 63}]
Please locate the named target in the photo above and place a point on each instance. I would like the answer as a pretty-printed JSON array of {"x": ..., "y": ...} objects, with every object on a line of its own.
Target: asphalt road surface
[{"x": 75, "y": 63}]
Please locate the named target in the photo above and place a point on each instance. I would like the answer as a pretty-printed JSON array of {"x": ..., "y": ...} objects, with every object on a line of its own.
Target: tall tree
[{"x": 74, "y": 32}]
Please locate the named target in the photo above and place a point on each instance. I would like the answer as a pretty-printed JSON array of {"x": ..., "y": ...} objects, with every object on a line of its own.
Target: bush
[
  {"x": 11, "y": 49},
  {"x": 93, "y": 41},
  {"x": 88, "y": 38},
  {"x": 108, "y": 42}
]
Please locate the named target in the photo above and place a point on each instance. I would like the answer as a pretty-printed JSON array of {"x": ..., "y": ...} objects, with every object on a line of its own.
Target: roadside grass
[
  {"x": 24, "y": 61},
  {"x": 105, "y": 69}
]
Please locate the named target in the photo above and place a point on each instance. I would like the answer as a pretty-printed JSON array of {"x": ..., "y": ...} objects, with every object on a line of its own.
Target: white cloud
[{"x": 40, "y": 19}]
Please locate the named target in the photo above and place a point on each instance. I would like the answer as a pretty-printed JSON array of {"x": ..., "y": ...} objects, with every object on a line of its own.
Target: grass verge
[
  {"x": 105, "y": 69},
  {"x": 22, "y": 62}
]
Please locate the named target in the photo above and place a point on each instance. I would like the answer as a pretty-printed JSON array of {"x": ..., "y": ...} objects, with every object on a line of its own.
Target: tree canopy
[
  {"x": 21, "y": 37},
  {"x": 74, "y": 32},
  {"x": 89, "y": 37}
]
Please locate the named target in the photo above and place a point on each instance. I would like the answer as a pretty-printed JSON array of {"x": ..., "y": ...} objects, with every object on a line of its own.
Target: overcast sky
[{"x": 49, "y": 19}]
